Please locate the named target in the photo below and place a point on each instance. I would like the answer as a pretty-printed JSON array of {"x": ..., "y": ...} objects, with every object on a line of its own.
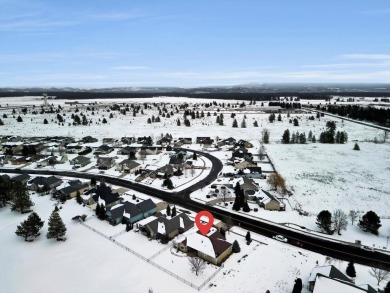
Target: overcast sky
[{"x": 94, "y": 43}]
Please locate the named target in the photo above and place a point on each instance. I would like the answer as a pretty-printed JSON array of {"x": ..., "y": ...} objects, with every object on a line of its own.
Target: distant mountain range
[{"x": 244, "y": 88}]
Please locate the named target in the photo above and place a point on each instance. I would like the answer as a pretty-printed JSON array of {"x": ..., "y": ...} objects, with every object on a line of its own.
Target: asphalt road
[{"x": 323, "y": 246}]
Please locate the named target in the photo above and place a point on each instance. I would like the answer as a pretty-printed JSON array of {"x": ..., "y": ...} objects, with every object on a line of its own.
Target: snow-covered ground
[
  {"x": 88, "y": 262},
  {"x": 320, "y": 177}
]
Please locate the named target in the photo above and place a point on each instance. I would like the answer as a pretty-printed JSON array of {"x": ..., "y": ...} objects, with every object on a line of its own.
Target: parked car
[
  {"x": 367, "y": 248},
  {"x": 101, "y": 172},
  {"x": 280, "y": 238}
]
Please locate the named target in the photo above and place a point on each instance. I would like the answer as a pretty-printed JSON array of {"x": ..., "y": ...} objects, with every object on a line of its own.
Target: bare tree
[
  {"x": 339, "y": 221},
  {"x": 192, "y": 171},
  {"x": 276, "y": 180},
  {"x": 262, "y": 152},
  {"x": 223, "y": 194},
  {"x": 379, "y": 275},
  {"x": 197, "y": 264},
  {"x": 353, "y": 215}
]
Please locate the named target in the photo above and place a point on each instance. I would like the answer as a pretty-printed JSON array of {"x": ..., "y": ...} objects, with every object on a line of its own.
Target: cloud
[
  {"x": 129, "y": 68},
  {"x": 367, "y": 56},
  {"x": 116, "y": 16}
]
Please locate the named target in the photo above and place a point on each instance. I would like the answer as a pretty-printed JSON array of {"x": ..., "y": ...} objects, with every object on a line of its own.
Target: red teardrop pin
[{"x": 204, "y": 228}]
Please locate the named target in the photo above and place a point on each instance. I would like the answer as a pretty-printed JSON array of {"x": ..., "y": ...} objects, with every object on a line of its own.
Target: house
[
  {"x": 227, "y": 141},
  {"x": 128, "y": 166},
  {"x": 242, "y": 153},
  {"x": 212, "y": 247},
  {"x": 42, "y": 184},
  {"x": 23, "y": 178},
  {"x": 165, "y": 228},
  {"x": 89, "y": 139},
  {"x": 52, "y": 160},
  {"x": 165, "y": 171},
  {"x": 77, "y": 149},
  {"x": 105, "y": 163},
  {"x": 269, "y": 202},
  {"x": 128, "y": 151},
  {"x": 176, "y": 161},
  {"x": 244, "y": 164},
  {"x": 325, "y": 284},
  {"x": 80, "y": 161},
  {"x": 145, "y": 140},
  {"x": 71, "y": 191},
  {"x": 102, "y": 194},
  {"x": 147, "y": 207},
  {"x": 108, "y": 140},
  {"x": 204, "y": 140},
  {"x": 124, "y": 212},
  {"x": 250, "y": 172},
  {"x": 103, "y": 150},
  {"x": 249, "y": 187},
  {"x": 243, "y": 143},
  {"x": 182, "y": 141},
  {"x": 328, "y": 271},
  {"x": 128, "y": 140},
  {"x": 150, "y": 150},
  {"x": 164, "y": 141}
]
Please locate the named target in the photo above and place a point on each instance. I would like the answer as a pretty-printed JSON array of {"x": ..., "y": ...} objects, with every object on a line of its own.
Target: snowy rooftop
[
  {"x": 326, "y": 285},
  {"x": 201, "y": 244}
]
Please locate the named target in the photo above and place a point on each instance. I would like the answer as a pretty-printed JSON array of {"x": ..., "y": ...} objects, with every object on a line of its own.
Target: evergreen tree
[
  {"x": 314, "y": 139},
  {"x": 97, "y": 210},
  {"x": 178, "y": 122},
  {"x": 370, "y": 222},
  {"x": 248, "y": 237},
  {"x": 387, "y": 288},
  {"x": 255, "y": 124},
  {"x": 30, "y": 227},
  {"x": 45, "y": 121},
  {"x": 356, "y": 147},
  {"x": 235, "y": 124},
  {"x": 194, "y": 157},
  {"x": 236, "y": 247},
  {"x": 296, "y": 123},
  {"x": 310, "y": 136},
  {"x": 286, "y": 136},
  {"x": 266, "y": 137},
  {"x": 5, "y": 192},
  {"x": 279, "y": 117},
  {"x": 351, "y": 272},
  {"x": 297, "y": 286},
  {"x": 102, "y": 212},
  {"x": 1, "y": 122},
  {"x": 243, "y": 124},
  {"x": 21, "y": 200},
  {"x": 245, "y": 207},
  {"x": 19, "y": 119},
  {"x": 149, "y": 121},
  {"x": 271, "y": 118},
  {"x": 168, "y": 210},
  {"x": 93, "y": 181},
  {"x": 78, "y": 198},
  {"x": 104, "y": 121},
  {"x": 56, "y": 228},
  {"x": 324, "y": 221},
  {"x": 173, "y": 213},
  {"x": 302, "y": 138}
]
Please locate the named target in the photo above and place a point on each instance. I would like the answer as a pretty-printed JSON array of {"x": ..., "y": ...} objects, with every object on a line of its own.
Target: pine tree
[
  {"x": 286, "y": 136},
  {"x": 97, "y": 210},
  {"x": 356, "y": 147},
  {"x": 104, "y": 121},
  {"x": 279, "y": 117},
  {"x": 235, "y": 124},
  {"x": 178, "y": 122},
  {"x": 351, "y": 272},
  {"x": 30, "y": 227},
  {"x": 370, "y": 222},
  {"x": 45, "y": 121},
  {"x": 255, "y": 124},
  {"x": 194, "y": 157},
  {"x": 19, "y": 119},
  {"x": 324, "y": 221},
  {"x": 173, "y": 213},
  {"x": 56, "y": 228},
  {"x": 21, "y": 200},
  {"x": 5, "y": 192},
  {"x": 168, "y": 210},
  {"x": 1, "y": 122},
  {"x": 102, "y": 212},
  {"x": 297, "y": 286},
  {"x": 248, "y": 237},
  {"x": 387, "y": 288},
  {"x": 236, "y": 247},
  {"x": 296, "y": 123},
  {"x": 243, "y": 124},
  {"x": 78, "y": 198}
]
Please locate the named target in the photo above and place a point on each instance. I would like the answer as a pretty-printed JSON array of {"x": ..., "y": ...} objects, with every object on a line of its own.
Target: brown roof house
[
  {"x": 128, "y": 166},
  {"x": 211, "y": 247}
]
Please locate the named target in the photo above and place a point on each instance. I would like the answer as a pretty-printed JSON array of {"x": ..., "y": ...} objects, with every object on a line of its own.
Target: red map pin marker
[{"x": 204, "y": 228}]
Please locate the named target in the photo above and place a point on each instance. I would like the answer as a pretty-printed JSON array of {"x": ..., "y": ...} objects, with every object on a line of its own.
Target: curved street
[{"x": 343, "y": 251}]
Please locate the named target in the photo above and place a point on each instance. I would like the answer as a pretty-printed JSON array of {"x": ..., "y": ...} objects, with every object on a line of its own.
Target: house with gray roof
[
  {"x": 128, "y": 166},
  {"x": 269, "y": 202},
  {"x": 42, "y": 184},
  {"x": 147, "y": 207},
  {"x": 124, "y": 212},
  {"x": 80, "y": 161}
]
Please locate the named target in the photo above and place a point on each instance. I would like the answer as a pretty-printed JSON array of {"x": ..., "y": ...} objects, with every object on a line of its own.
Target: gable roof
[
  {"x": 326, "y": 284},
  {"x": 129, "y": 163},
  {"x": 104, "y": 192},
  {"x": 328, "y": 271},
  {"x": 146, "y": 205},
  {"x": 131, "y": 210},
  {"x": 81, "y": 159},
  {"x": 73, "y": 188},
  {"x": 20, "y": 177}
]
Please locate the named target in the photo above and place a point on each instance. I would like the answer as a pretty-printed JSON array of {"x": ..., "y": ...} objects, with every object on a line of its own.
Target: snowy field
[{"x": 92, "y": 263}]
